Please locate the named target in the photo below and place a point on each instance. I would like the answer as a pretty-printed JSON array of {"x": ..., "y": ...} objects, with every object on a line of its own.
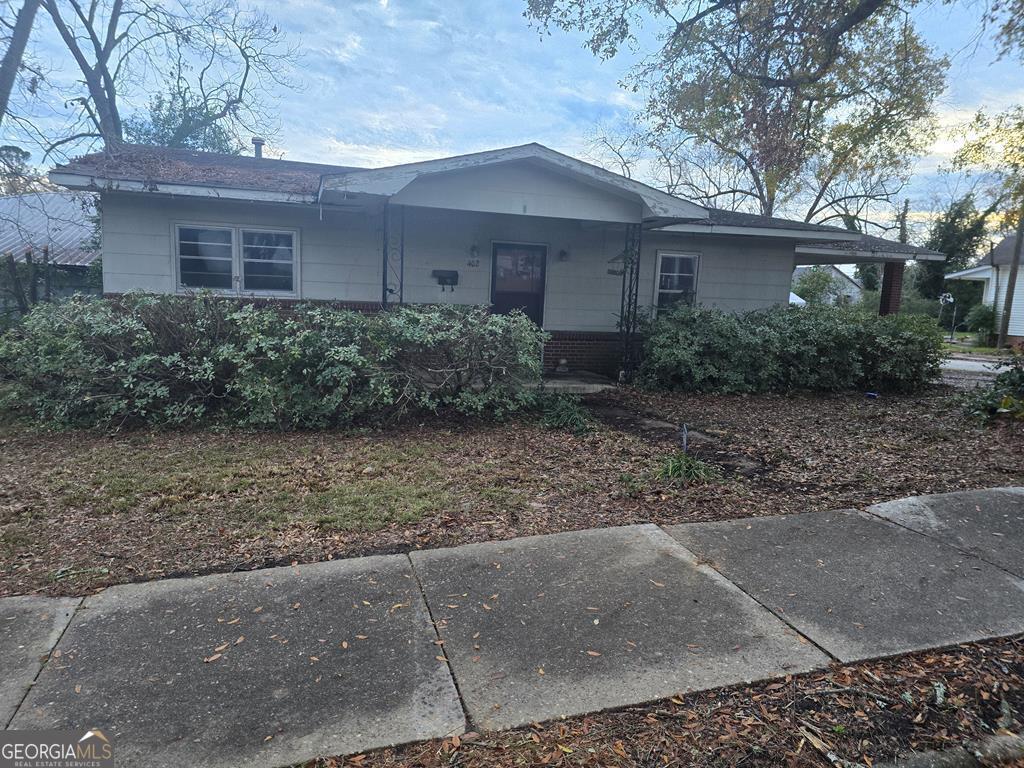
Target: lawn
[{"x": 79, "y": 511}]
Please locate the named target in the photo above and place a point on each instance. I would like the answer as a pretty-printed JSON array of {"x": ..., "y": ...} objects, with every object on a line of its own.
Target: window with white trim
[
  {"x": 676, "y": 279},
  {"x": 235, "y": 259},
  {"x": 268, "y": 261},
  {"x": 206, "y": 256}
]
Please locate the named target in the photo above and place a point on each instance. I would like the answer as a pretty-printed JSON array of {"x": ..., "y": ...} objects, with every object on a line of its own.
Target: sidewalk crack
[{"x": 444, "y": 652}]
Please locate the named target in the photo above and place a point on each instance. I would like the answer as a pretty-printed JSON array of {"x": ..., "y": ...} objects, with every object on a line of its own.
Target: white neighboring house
[
  {"x": 517, "y": 228},
  {"x": 994, "y": 271},
  {"x": 848, "y": 290}
]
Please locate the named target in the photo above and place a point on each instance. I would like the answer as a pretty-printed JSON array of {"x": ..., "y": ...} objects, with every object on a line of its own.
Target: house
[
  {"x": 62, "y": 223},
  {"x": 582, "y": 251},
  {"x": 993, "y": 271},
  {"x": 846, "y": 289}
]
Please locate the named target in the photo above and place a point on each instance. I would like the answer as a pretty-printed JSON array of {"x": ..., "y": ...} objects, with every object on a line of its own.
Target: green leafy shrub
[
  {"x": 786, "y": 348},
  {"x": 1004, "y": 397},
  {"x": 981, "y": 321},
  {"x": 686, "y": 469},
  {"x": 168, "y": 360},
  {"x": 562, "y": 411}
]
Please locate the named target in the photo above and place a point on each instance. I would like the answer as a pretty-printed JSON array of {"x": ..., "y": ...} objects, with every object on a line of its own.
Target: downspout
[{"x": 384, "y": 257}]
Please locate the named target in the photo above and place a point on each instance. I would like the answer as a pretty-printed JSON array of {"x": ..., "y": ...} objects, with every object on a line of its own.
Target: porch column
[{"x": 892, "y": 288}]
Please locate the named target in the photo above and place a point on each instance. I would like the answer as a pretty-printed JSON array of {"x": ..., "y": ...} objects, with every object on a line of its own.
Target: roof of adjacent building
[
  {"x": 1002, "y": 253},
  {"x": 833, "y": 269},
  {"x": 62, "y": 221}
]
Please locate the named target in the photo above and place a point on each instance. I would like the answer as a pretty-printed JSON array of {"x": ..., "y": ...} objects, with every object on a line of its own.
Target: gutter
[
  {"x": 789, "y": 234},
  {"x": 870, "y": 254},
  {"x": 101, "y": 184}
]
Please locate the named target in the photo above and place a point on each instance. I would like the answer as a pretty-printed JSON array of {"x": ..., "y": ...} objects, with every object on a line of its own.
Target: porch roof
[{"x": 863, "y": 249}]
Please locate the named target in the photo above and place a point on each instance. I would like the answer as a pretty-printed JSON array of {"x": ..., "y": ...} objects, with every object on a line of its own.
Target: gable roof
[
  {"x": 391, "y": 180},
  {"x": 1003, "y": 252},
  {"x": 835, "y": 271},
  {"x": 60, "y": 220}
]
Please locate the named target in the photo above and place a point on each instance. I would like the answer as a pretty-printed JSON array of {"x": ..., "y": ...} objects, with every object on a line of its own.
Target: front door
[{"x": 517, "y": 279}]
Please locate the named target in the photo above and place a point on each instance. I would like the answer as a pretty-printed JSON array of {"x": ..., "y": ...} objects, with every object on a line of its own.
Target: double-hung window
[
  {"x": 237, "y": 259},
  {"x": 676, "y": 280}
]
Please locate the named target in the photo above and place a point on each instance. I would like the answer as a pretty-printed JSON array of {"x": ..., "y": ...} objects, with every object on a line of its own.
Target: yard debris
[
  {"x": 846, "y": 716},
  {"x": 149, "y": 505}
]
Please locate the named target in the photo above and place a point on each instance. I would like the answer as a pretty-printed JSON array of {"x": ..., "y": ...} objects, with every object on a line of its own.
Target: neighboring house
[
  {"x": 993, "y": 271},
  {"x": 847, "y": 290},
  {"x": 576, "y": 247},
  {"x": 65, "y": 223}
]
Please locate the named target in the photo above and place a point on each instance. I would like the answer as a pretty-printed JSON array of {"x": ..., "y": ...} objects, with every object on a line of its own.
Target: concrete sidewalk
[{"x": 275, "y": 667}]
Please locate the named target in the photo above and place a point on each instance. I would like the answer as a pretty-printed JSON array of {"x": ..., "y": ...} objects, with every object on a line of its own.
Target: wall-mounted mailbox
[{"x": 446, "y": 278}]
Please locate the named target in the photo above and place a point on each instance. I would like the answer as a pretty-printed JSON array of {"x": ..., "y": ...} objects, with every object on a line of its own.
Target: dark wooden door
[{"x": 517, "y": 279}]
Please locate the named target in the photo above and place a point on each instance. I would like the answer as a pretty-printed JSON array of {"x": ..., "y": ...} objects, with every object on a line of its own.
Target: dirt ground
[
  {"x": 863, "y": 714},
  {"x": 80, "y": 511}
]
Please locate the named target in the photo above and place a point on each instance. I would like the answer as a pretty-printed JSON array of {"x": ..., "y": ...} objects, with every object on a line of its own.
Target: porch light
[{"x": 563, "y": 255}]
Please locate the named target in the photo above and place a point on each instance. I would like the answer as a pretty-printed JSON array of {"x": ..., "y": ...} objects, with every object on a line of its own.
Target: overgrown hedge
[
  {"x": 787, "y": 348},
  {"x": 170, "y": 360}
]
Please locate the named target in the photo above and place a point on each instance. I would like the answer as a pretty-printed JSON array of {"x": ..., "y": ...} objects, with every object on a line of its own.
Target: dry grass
[{"x": 80, "y": 511}]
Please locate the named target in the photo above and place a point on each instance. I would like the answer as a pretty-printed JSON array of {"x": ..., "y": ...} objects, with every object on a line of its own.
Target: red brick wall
[
  {"x": 594, "y": 352},
  {"x": 892, "y": 288}
]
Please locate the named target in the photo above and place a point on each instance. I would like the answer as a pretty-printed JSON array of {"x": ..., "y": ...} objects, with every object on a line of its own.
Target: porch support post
[
  {"x": 392, "y": 274},
  {"x": 629, "y": 314},
  {"x": 892, "y": 288}
]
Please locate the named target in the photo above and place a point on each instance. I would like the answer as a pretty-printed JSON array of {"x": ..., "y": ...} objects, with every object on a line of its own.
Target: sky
[{"x": 391, "y": 81}]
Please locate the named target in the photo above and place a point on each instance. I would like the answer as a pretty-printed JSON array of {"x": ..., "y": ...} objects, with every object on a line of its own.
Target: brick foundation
[{"x": 594, "y": 352}]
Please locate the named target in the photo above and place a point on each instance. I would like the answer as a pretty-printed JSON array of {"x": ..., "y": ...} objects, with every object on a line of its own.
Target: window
[
  {"x": 205, "y": 257},
  {"x": 676, "y": 279},
  {"x": 236, "y": 259},
  {"x": 267, "y": 261}
]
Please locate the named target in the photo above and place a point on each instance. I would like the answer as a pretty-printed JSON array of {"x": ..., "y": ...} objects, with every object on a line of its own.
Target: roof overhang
[
  {"x": 101, "y": 184},
  {"x": 814, "y": 255},
  {"x": 983, "y": 272},
  {"x": 653, "y": 203},
  {"x": 788, "y": 234}
]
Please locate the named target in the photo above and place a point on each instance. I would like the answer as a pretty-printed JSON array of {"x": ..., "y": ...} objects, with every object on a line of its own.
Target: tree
[
  {"x": 816, "y": 286},
  {"x": 181, "y": 119},
  {"x": 819, "y": 30},
  {"x": 995, "y": 144},
  {"x": 959, "y": 232},
  {"x": 20, "y": 31},
  {"x": 727, "y": 128},
  {"x": 220, "y": 56}
]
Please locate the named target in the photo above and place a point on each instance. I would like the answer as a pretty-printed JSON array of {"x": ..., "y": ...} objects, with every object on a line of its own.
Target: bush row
[
  {"x": 785, "y": 348},
  {"x": 170, "y": 360}
]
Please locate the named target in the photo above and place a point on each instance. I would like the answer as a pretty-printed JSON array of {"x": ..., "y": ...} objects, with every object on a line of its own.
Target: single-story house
[
  {"x": 581, "y": 250},
  {"x": 64, "y": 225},
  {"x": 846, "y": 289},
  {"x": 994, "y": 271}
]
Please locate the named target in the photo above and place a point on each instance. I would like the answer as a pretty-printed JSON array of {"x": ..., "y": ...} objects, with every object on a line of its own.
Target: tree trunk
[
  {"x": 15, "y": 52},
  {"x": 1011, "y": 283}
]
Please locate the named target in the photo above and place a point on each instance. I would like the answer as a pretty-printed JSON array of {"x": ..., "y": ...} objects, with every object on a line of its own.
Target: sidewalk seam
[
  {"x": 942, "y": 542},
  {"x": 444, "y": 651},
  {"x": 781, "y": 617},
  {"x": 42, "y": 666}
]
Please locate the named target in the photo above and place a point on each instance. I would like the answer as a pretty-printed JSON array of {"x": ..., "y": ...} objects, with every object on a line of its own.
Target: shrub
[
  {"x": 1004, "y": 396},
  {"x": 981, "y": 320},
  {"x": 562, "y": 411},
  {"x": 687, "y": 469},
  {"x": 205, "y": 360},
  {"x": 787, "y": 348}
]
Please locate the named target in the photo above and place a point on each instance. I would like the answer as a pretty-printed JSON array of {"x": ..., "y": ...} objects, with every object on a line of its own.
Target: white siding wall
[
  {"x": 340, "y": 257},
  {"x": 1016, "y": 327}
]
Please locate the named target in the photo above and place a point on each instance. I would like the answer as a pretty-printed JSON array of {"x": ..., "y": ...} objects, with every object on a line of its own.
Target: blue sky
[{"x": 391, "y": 81}]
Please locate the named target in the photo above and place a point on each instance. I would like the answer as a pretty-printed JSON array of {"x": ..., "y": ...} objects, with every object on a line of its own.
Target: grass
[{"x": 81, "y": 510}]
